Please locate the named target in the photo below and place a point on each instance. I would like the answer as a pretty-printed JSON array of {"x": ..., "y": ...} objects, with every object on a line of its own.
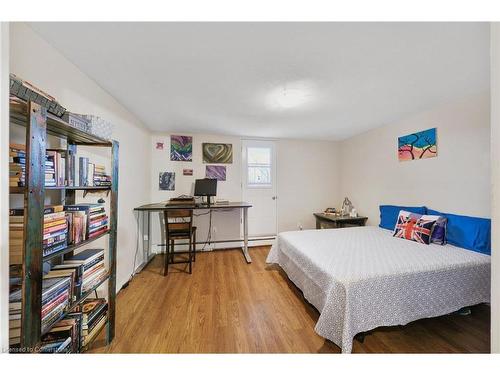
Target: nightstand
[{"x": 332, "y": 221}]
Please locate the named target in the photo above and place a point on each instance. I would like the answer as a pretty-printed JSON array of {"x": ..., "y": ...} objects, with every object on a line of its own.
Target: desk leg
[
  {"x": 146, "y": 240},
  {"x": 245, "y": 235}
]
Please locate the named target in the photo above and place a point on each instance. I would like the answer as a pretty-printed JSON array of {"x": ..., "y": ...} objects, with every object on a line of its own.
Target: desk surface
[{"x": 163, "y": 206}]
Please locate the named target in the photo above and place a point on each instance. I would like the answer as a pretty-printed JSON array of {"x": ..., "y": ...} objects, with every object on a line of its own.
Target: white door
[{"x": 259, "y": 186}]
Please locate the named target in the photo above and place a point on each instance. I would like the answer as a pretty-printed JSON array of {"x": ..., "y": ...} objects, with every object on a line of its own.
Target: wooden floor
[{"x": 228, "y": 306}]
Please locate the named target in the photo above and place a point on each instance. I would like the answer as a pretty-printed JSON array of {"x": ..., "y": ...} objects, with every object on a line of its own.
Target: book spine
[{"x": 84, "y": 167}]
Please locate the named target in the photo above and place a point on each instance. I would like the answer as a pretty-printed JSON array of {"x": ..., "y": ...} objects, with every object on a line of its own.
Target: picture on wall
[
  {"x": 181, "y": 148},
  {"x": 420, "y": 145},
  {"x": 187, "y": 172},
  {"x": 167, "y": 181},
  {"x": 216, "y": 171},
  {"x": 217, "y": 153}
]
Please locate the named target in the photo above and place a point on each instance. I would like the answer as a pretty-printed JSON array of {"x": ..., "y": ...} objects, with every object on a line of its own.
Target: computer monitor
[{"x": 206, "y": 187}]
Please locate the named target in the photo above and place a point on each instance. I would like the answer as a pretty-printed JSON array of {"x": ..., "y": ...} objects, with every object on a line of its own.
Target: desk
[
  {"x": 331, "y": 221},
  {"x": 160, "y": 207}
]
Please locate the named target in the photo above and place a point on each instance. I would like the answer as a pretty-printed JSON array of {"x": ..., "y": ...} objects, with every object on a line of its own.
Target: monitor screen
[{"x": 205, "y": 187}]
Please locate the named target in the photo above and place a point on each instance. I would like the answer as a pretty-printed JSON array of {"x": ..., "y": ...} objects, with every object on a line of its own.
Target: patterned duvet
[{"x": 362, "y": 278}]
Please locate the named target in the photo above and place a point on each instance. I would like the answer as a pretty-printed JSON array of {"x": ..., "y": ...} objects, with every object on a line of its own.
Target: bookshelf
[{"x": 39, "y": 123}]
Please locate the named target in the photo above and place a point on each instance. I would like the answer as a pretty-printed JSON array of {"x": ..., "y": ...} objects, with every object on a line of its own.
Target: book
[
  {"x": 91, "y": 174},
  {"x": 85, "y": 256},
  {"x": 83, "y": 176}
]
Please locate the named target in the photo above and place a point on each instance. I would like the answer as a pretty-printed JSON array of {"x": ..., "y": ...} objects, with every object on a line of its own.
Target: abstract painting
[
  {"x": 216, "y": 171},
  {"x": 217, "y": 153},
  {"x": 420, "y": 145},
  {"x": 187, "y": 172},
  {"x": 181, "y": 148},
  {"x": 167, "y": 180}
]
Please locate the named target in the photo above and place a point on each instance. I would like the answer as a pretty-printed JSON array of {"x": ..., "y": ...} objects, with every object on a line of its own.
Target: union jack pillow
[{"x": 413, "y": 227}]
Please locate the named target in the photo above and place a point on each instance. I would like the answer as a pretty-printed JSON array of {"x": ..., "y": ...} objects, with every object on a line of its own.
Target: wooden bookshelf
[{"x": 38, "y": 125}]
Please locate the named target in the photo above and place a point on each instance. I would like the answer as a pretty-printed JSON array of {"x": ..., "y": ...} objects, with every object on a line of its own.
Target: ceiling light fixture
[{"x": 291, "y": 95}]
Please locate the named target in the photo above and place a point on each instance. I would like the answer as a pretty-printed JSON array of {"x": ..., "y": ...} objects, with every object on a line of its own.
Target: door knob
[{"x": 274, "y": 198}]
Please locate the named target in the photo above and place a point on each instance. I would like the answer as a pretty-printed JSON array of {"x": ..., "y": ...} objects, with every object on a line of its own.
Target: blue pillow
[
  {"x": 389, "y": 214},
  {"x": 471, "y": 233}
]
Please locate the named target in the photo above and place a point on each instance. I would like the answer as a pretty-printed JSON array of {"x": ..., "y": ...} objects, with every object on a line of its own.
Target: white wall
[
  {"x": 226, "y": 224},
  {"x": 307, "y": 182},
  {"x": 4, "y": 190},
  {"x": 457, "y": 180},
  {"x": 495, "y": 187},
  {"x": 36, "y": 61}
]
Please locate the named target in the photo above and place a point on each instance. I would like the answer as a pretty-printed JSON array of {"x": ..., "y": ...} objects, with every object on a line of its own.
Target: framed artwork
[
  {"x": 181, "y": 148},
  {"x": 159, "y": 145},
  {"x": 216, "y": 171},
  {"x": 217, "y": 153},
  {"x": 187, "y": 172},
  {"x": 167, "y": 181},
  {"x": 420, "y": 145}
]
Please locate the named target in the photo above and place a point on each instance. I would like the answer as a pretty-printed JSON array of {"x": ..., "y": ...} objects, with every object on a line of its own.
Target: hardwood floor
[{"x": 228, "y": 306}]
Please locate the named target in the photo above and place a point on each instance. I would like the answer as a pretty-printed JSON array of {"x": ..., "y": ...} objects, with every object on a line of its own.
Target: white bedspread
[{"x": 362, "y": 278}]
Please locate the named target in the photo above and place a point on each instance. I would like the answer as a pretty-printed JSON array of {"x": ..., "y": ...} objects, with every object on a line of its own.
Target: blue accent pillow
[
  {"x": 389, "y": 214},
  {"x": 471, "y": 233}
]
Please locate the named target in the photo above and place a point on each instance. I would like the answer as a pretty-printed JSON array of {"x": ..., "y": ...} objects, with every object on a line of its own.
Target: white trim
[
  {"x": 4, "y": 186},
  {"x": 495, "y": 185}
]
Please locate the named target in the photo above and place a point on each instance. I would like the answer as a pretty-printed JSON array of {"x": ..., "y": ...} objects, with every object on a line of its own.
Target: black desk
[{"x": 160, "y": 207}]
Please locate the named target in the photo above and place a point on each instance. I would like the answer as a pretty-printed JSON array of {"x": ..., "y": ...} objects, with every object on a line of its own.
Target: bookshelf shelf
[
  {"x": 74, "y": 304},
  {"x": 55, "y": 126},
  {"x": 39, "y": 124},
  {"x": 72, "y": 248}
]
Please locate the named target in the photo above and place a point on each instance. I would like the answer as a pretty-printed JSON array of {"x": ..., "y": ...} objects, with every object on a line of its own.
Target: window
[{"x": 259, "y": 166}]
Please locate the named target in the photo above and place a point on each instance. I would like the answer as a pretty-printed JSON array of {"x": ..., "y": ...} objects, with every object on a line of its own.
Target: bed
[{"x": 361, "y": 278}]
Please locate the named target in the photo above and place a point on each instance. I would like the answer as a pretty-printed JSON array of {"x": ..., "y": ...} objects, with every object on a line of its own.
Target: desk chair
[{"x": 179, "y": 226}]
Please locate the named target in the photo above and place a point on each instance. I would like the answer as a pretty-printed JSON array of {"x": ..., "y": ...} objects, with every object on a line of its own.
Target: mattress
[{"x": 361, "y": 278}]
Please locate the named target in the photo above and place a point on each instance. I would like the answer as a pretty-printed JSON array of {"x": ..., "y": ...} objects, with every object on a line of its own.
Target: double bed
[{"x": 361, "y": 278}]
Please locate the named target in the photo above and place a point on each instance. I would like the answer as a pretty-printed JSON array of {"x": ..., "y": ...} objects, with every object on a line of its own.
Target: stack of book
[
  {"x": 15, "y": 285},
  {"x": 92, "y": 270},
  {"x": 94, "y": 317},
  {"x": 86, "y": 221},
  {"x": 17, "y": 165},
  {"x": 55, "y": 300},
  {"x": 77, "y": 217},
  {"x": 65, "y": 336},
  {"x": 100, "y": 176},
  {"x": 98, "y": 220},
  {"x": 75, "y": 276},
  {"x": 56, "y": 295},
  {"x": 16, "y": 236},
  {"x": 55, "y": 230},
  {"x": 50, "y": 171},
  {"x": 55, "y": 168}
]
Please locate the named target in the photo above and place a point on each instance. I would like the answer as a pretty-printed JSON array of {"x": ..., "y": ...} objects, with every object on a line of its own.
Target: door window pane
[
  {"x": 259, "y": 175},
  {"x": 259, "y": 166},
  {"x": 259, "y": 155}
]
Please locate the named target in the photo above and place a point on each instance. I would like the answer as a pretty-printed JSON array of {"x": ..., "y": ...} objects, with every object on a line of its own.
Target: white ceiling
[{"x": 230, "y": 78}]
